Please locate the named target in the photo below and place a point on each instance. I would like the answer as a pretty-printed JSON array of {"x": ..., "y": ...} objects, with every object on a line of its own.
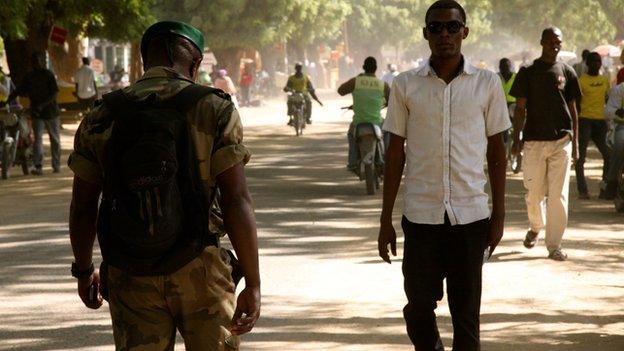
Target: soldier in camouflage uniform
[{"x": 199, "y": 299}]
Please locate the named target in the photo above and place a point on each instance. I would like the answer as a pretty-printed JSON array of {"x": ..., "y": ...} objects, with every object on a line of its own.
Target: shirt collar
[
  {"x": 425, "y": 69},
  {"x": 163, "y": 72}
]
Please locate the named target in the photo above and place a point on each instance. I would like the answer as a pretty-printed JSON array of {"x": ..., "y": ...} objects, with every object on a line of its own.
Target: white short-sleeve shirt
[
  {"x": 85, "y": 78},
  {"x": 446, "y": 127}
]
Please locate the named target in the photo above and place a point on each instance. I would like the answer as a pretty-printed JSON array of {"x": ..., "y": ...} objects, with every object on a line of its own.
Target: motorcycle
[
  {"x": 370, "y": 146},
  {"x": 15, "y": 141},
  {"x": 298, "y": 104}
]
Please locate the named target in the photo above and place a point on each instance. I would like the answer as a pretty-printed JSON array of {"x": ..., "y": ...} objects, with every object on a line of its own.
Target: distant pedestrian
[
  {"x": 389, "y": 76},
  {"x": 546, "y": 93},
  {"x": 245, "y": 83},
  {"x": 225, "y": 83},
  {"x": 581, "y": 66},
  {"x": 40, "y": 87},
  {"x": 614, "y": 112},
  {"x": 445, "y": 118},
  {"x": 592, "y": 124},
  {"x": 86, "y": 86},
  {"x": 116, "y": 77}
]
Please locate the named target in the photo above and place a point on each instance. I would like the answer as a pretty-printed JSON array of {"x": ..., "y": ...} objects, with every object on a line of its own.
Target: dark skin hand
[
  {"x": 393, "y": 171},
  {"x": 497, "y": 172},
  {"x": 82, "y": 219},
  {"x": 240, "y": 224}
]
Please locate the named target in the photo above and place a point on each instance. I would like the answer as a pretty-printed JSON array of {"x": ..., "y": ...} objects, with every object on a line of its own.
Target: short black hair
[
  {"x": 551, "y": 30},
  {"x": 594, "y": 55},
  {"x": 86, "y": 61},
  {"x": 370, "y": 64},
  {"x": 446, "y": 5}
]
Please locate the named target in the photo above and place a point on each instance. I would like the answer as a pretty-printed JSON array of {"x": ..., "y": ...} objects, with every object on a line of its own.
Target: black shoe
[
  {"x": 308, "y": 121},
  {"x": 36, "y": 171},
  {"x": 530, "y": 239},
  {"x": 609, "y": 191},
  {"x": 290, "y": 123}
]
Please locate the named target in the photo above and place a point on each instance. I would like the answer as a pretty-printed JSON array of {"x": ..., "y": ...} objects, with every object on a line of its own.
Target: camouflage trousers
[{"x": 198, "y": 300}]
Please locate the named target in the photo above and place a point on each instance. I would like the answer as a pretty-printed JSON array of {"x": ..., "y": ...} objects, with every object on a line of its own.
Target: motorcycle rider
[
  {"x": 370, "y": 95},
  {"x": 301, "y": 83}
]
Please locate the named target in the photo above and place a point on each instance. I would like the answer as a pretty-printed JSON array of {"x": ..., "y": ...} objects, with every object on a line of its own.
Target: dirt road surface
[{"x": 324, "y": 288}]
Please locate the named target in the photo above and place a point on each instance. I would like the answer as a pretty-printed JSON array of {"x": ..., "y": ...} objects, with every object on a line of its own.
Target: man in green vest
[
  {"x": 507, "y": 76},
  {"x": 301, "y": 83},
  {"x": 370, "y": 95}
]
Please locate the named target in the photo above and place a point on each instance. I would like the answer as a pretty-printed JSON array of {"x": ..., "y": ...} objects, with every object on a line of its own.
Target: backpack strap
[{"x": 188, "y": 97}]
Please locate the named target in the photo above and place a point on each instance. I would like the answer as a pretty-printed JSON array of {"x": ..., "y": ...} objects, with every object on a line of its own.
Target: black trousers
[
  {"x": 596, "y": 131},
  {"x": 435, "y": 252}
]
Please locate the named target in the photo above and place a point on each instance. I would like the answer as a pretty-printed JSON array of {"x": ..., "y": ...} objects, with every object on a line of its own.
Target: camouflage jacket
[{"x": 215, "y": 127}]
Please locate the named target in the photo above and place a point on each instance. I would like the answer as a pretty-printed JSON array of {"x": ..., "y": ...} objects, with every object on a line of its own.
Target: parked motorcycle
[
  {"x": 15, "y": 141},
  {"x": 298, "y": 103},
  {"x": 369, "y": 140}
]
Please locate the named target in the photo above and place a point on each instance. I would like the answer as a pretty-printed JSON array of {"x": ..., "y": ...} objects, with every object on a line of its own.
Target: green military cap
[{"x": 182, "y": 29}]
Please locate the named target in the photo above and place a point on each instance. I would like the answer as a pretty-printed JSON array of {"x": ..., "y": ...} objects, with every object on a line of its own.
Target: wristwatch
[{"x": 77, "y": 273}]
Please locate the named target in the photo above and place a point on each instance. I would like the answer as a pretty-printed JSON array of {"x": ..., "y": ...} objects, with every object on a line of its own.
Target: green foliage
[{"x": 317, "y": 20}]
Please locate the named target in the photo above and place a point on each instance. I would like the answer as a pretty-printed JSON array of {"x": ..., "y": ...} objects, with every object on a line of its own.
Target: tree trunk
[
  {"x": 230, "y": 60},
  {"x": 136, "y": 65},
  {"x": 19, "y": 51},
  {"x": 66, "y": 62}
]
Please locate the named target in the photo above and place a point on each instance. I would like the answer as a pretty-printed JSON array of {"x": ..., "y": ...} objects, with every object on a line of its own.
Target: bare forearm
[
  {"x": 497, "y": 172},
  {"x": 393, "y": 172},
  {"x": 82, "y": 224},
  {"x": 240, "y": 224},
  {"x": 518, "y": 122}
]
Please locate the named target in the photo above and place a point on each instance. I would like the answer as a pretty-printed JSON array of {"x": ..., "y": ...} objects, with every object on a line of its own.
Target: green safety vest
[
  {"x": 299, "y": 84},
  {"x": 507, "y": 87},
  {"x": 368, "y": 100}
]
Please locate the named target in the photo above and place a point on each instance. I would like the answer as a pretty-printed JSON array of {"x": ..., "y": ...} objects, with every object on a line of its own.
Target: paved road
[{"x": 323, "y": 286}]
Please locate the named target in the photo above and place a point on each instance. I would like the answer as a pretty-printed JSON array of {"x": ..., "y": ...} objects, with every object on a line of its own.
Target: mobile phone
[{"x": 93, "y": 292}]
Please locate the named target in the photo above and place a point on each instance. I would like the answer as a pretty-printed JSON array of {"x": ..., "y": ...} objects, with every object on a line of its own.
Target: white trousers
[{"x": 546, "y": 169}]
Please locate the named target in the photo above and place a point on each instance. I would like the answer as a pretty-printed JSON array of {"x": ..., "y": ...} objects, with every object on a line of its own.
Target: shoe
[
  {"x": 290, "y": 123},
  {"x": 56, "y": 170},
  {"x": 36, "y": 171},
  {"x": 557, "y": 255},
  {"x": 584, "y": 196},
  {"x": 610, "y": 191},
  {"x": 530, "y": 239},
  {"x": 308, "y": 121}
]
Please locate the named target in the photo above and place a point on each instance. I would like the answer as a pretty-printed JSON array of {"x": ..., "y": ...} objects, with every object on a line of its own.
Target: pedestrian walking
[
  {"x": 592, "y": 124},
  {"x": 40, "y": 87},
  {"x": 546, "y": 93},
  {"x": 86, "y": 87},
  {"x": 245, "y": 83},
  {"x": 614, "y": 112},
  {"x": 581, "y": 67},
  {"x": 225, "y": 83},
  {"x": 390, "y": 74},
  {"x": 157, "y": 151},
  {"x": 451, "y": 116}
]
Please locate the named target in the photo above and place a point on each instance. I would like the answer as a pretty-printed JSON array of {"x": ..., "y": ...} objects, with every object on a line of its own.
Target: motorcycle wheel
[
  {"x": 371, "y": 179},
  {"x": 298, "y": 122}
]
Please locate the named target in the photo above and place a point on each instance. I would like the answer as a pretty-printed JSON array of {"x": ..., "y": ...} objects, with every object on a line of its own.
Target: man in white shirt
[
  {"x": 451, "y": 116},
  {"x": 614, "y": 112},
  {"x": 392, "y": 72},
  {"x": 86, "y": 88}
]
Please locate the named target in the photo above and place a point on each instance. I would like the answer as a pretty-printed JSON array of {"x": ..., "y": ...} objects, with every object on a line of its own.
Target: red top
[{"x": 246, "y": 80}]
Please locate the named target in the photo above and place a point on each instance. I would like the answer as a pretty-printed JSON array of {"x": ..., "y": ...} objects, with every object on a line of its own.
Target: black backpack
[{"x": 153, "y": 216}]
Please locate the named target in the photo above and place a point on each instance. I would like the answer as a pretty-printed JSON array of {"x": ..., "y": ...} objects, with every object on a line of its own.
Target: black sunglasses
[{"x": 436, "y": 27}]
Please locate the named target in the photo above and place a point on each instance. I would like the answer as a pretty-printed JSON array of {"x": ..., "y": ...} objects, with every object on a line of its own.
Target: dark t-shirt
[
  {"x": 40, "y": 86},
  {"x": 547, "y": 88}
]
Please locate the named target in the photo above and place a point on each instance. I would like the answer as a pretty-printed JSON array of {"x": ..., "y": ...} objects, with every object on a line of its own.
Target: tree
[
  {"x": 25, "y": 26},
  {"x": 233, "y": 25}
]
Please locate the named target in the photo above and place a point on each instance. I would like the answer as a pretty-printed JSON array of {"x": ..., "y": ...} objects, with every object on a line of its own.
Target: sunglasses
[{"x": 436, "y": 27}]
